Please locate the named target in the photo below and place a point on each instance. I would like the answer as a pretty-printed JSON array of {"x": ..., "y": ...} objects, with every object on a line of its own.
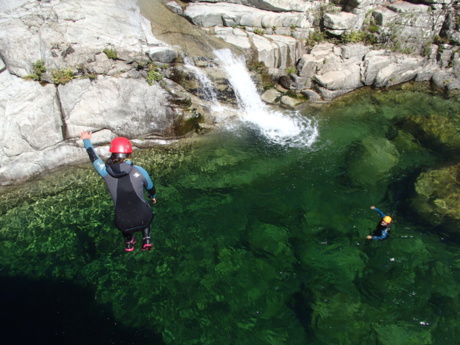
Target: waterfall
[
  {"x": 207, "y": 89},
  {"x": 287, "y": 128}
]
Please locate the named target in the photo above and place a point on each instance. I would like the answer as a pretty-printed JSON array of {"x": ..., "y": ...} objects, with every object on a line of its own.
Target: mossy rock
[
  {"x": 266, "y": 238},
  {"x": 438, "y": 197},
  {"x": 435, "y": 130},
  {"x": 372, "y": 160}
]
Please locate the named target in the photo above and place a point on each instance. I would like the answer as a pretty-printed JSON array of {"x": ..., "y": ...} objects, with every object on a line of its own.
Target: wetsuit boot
[
  {"x": 146, "y": 244},
  {"x": 129, "y": 243}
]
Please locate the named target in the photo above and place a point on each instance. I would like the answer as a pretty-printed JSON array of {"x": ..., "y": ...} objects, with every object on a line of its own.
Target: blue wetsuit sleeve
[
  {"x": 98, "y": 164},
  {"x": 148, "y": 184},
  {"x": 380, "y": 212},
  {"x": 381, "y": 237}
]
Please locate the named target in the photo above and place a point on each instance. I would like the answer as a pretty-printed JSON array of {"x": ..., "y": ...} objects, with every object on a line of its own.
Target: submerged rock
[
  {"x": 372, "y": 161},
  {"x": 435, "y": 130},
  {"x": 438, "y": 197}
]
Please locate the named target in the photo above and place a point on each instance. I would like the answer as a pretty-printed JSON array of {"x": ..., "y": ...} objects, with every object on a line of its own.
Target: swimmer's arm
[
  {"x": 378, "y": 211},
  {"x": 98, "y": 164}
]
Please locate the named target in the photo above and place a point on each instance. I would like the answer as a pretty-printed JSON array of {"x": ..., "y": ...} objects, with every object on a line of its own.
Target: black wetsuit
[{"x": 126, "y": 183}]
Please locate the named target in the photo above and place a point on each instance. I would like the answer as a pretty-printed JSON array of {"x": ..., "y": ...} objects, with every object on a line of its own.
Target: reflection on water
[{"x": 255, "y": 242}]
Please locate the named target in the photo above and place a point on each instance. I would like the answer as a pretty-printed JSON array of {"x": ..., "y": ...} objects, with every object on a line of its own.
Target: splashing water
[{"x": 286, "y": 128}]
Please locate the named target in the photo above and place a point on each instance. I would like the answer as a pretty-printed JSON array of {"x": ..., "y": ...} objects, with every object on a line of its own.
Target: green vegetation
[
  {"x": 91, "y": 76},
  {"x": 259, "y": 31},
  {"x": 358, "y": 36},
  {"x": 111, "y": 53},
  {"x": 427, "y": 49},
  {"x": 154, "y": 74},
  {"x": 269, "y": 85},
  {"x": 373, "y": 28},
  {"x": 259, "y": 68},
  {"x": 315, "y": 37},
  {"x": 38, "y": 70},
  {"x": 242, "y": 27},
  {"x": 62, "y": 76},
  {"x": 291, "y": 70}
]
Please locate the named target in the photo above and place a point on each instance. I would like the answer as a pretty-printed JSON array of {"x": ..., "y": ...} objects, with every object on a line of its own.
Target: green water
[{"x": 254, "y": 243}]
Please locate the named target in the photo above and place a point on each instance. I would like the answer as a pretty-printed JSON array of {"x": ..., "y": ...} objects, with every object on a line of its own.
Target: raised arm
[
  {"x": 378, "y": 211},
  {"x": 98, "y": 164}
]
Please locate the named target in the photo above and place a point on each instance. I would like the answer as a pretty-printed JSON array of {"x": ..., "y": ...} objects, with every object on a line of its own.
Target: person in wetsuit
[
  {"x": 126, "y": 183},
  {"x": 382, "y": 230}
]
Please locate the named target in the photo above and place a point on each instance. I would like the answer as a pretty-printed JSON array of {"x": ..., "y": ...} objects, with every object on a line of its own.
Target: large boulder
[
  {"x": 410, "y": 27},
  {"x": 435, "y": 131},
  {"x": 274, "y": 51},
  {"x": 372, "y": 161},
  {"x": 437, "y": 199},
  {"x": 30, "y": 117},
  {"x": 274, "y": 37},
  {"x": 223, "y": 14},
  {"x": 347, "y": 78},
  {"x": 72, "y": 33},
  {"x": 127, "y": 107},
  {"x": 382, "y": 68},
  {"x": 339, "y": 23},
  {"x": 272, "y": 5}
]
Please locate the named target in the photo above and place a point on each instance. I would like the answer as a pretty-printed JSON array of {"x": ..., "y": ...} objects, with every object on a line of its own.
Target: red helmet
[{"x": 121, "y": 145}]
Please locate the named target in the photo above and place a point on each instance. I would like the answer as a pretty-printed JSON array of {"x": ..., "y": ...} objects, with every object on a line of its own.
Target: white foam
[{"x": 286, "y": 128}]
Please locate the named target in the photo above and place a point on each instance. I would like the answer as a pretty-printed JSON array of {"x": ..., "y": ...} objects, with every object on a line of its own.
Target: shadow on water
[{"x": 51, "y": 312}]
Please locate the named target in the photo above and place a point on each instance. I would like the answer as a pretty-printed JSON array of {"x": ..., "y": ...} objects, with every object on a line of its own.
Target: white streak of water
[
  {"x": 287, "y": 128},
  {"x": 207, "y": 87}
]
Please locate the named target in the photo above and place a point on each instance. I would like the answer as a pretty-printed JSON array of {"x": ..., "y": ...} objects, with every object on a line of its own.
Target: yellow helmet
[{"x": 387, "y": 219}]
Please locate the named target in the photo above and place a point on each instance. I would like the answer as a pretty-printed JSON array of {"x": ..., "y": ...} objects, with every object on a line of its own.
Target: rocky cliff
[
  {"x": 324, "y": 49},
  {"x": 73, "y": 65}
]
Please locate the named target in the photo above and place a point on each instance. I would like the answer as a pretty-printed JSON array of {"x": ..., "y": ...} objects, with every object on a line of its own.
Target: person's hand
[
  {"x": 372, "y": 207},
  {"x": 85, "y": 135},
  {"x": 369, "y": 237},
  {"x": 154, "y": 200}
]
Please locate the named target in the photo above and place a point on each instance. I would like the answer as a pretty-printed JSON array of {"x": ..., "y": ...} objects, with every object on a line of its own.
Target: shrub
[
  {"x": 373, "y": 28},
  {"x": 62, "y": 76},
  {"x": 353, "y": 36},
  {"x": 38, "y": 70},
  {"x": 315, "y": 37},
  {"x": 111, "y": 53},
  {"x": 291, "y": 70},
  {"x": 427, "y": 49},
  {"x": 258, "y": 31},
  {"x": 358, "y": 36},
  {"x": 154, "y": 74}
]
